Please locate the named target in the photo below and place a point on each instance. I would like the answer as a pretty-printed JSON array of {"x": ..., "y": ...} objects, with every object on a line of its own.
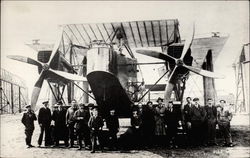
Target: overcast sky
[{"x": 23, "y": 21}]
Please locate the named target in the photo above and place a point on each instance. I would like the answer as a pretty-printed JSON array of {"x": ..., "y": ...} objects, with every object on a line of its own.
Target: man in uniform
[
  {"x": 44, "y": 120},
  {"x": 211, "y": 120},
  {"x": 28, "y": 120},
  {"x": 187, "y": 118},
  {"x": 224, "y": 117},
  {"x": 82, "y": 117},
  {"x": 60, "y": 129},
  {"x": 70, "y": 122},
  {"x": 113, "y": 127},
  {"x": 197, "y": 117}
]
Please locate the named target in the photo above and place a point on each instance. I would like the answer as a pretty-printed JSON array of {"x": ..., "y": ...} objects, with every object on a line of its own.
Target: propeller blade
[
  {"x": 168, "y": 91},
  {"x": 169, "y": 87},
  {"x": 205, "y": 73},
  {"x": 188, "y": 43},
  {"x": 156, "y": 54},
  {"x": 25, "y": 60},
  {"x": 68, "y": 76},
  {"x": 37, "y": 89},
  {"x": 56, "y": 46}
]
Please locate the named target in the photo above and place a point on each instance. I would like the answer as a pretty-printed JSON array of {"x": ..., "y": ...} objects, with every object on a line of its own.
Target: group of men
[
  {"x": 153, "y": 122},
  {"x": 81, "y": 122},
  {"x": 200, "y": 122},
  {"x": 161, "y": 123}
]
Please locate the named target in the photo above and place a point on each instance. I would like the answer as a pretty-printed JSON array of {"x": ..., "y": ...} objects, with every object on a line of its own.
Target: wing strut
[
  {"x": 84, "y": 91},
  {"x": 152, "y": 86}
]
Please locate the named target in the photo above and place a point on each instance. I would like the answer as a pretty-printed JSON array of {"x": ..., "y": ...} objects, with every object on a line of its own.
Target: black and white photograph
[{"x": 124, "y": 79}]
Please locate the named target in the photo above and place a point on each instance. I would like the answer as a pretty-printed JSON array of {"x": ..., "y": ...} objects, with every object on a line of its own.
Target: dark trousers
[
  {"x": 71, "y": 133},
  {"x": 113, "y": 138},
  {"x": 188, "y": 134},
  {"x": 171, "y": 132},
  {"x": 83, "y": 134},
  {"x": 61, "y": 132},
  {"x": 95, "y": 134},
  {"x": 28, "y": 133},
  {"x": 211, "y": 131},
  {"x": 148, "y": 133},
  {"x": 196, "y": 132},
  {"x": 226, "y": 133},
  {"x": 45, "y": 129}
]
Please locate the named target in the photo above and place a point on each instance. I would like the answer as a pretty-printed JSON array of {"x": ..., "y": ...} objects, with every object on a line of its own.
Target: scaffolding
[
  {"x": 13, "y": 93},
  {"x": 242, "y": 68}
]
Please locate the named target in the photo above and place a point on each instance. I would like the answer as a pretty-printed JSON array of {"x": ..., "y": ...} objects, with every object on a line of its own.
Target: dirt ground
[{"x": 13, "y": 145}]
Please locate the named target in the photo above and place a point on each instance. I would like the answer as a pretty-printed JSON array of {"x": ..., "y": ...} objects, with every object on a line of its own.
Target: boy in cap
[
  {"x": 44, "y": 120},
  {"x": 28, "y": 120},
  {"x": 95, "y": 124}
]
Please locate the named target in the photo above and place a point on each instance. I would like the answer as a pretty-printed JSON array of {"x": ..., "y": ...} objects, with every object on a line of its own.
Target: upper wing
[{"x": 155, "y": 33}]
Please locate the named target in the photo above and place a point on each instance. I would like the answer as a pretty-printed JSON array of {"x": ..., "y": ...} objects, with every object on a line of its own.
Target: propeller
[
  {"x": 45, "y": 69},
  {"x": 25, "y": 60},
  {"x": 179, "y": 62}
]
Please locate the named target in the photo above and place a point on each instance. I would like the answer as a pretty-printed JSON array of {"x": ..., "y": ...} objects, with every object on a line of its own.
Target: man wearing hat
[
  {"x": 160, "y": 129},
  {"x": 70, "y": 121},
  {"x": 197, "y": 117},
  {"x": 28, "y": 120},
  {"x": 60, "y": 124},
  {"x": 210, "y": 122},
  {"x": 95, "y": 123},
  {"x": 224, "y": 117},
  {"x": 173, "y": 116},
  {"x": 113, "y": 127},
  {"x": 82, "y": 117},
  {"x": 186, "y": 117},
  {"x": 44, "y": 120}
]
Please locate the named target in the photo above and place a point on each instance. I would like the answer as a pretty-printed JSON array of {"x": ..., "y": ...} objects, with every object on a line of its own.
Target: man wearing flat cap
[
  {"x": 82, "y": 130},
  {"x": 224, "y": 117},
  {"x": 28, "y": 120},
  {"x": 44, "y": 120},
  {"x": 61, "y": 131},
  {"x": 70, "y": 121},
  {"x": 197, "y": 117}
]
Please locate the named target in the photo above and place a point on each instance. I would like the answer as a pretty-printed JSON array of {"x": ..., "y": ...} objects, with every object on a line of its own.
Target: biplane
[{"x": 101, "y": 55}]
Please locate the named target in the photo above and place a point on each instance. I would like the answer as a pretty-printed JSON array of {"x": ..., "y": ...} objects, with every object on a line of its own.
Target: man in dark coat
[
  {"x": 82, "y": 117},
  {"x": 60, "y": 129},
  {"x": 197, "y": 116},
  {"x": 70, "y": 121},
  {"x": 44, "y": 120},
  {"x": 187, "y": 118},
  {"x": 211, "y": 119},
  {"x": 173, "y": 116},
  {"x": 148, "y": 124},
  {"x": 95, "y": 124},
  {"x": 112, "y": 123},
  {"x": 28, "y": 120}
]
